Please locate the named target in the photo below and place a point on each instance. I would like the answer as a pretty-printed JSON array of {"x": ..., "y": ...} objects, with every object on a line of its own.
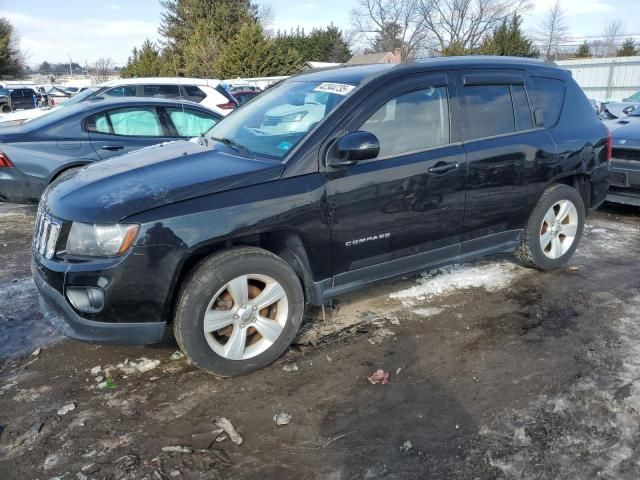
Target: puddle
[{"x": 22, "y": 327}]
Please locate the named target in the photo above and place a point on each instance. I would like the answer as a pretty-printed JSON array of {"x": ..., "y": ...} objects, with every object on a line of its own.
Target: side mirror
[
  {"x": 538, "y": 117},
  {"x": 355, "y": 146}
]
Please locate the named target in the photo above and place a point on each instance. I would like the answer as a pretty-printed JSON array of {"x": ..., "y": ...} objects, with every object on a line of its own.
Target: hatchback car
[
  {"x": 404, "y": 168},
  {"x": 35, "y": 152}
]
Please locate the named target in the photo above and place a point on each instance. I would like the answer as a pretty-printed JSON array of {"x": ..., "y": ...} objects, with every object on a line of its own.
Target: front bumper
[
  {"x": 625, "y": 183},
  {"x": 59, "y": 313}
]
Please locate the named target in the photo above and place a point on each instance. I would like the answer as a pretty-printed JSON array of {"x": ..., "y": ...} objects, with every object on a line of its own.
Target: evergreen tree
[
  {"x": 321, "y": 45},
  {"x": 251, "y": 54},
  {"x": 584, "y": 50},
  {"x": 145, "y": 62},
  {"x": 628, "y": 49},
  {"x": 11, "y": 62},
  {"x": 387, "y": 40},
  {"x": 508, "y": 39}
]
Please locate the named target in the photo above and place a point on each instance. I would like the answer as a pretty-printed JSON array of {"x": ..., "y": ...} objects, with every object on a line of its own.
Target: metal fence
[{"x": 606, "y": 78}]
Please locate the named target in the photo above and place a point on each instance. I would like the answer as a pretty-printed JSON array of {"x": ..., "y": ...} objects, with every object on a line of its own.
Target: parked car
[
  {"x": 37, "y": 151},
  {"x": 243, "y": 96},
  {"x": 625, "y": 161},
  {"x": 5, "y": 100},
  {"x": 612, "y": 110},
  {"x": 25, "y": 98},
  {"x": 408, "y": 167},
  {"x": 208, "y": 93}
]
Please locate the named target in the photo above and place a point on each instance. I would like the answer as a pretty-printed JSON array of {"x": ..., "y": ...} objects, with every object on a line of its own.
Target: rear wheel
[
  {"x": 553, "y": 230},
  {"x": 238, "y": 311},
  {"x": 5, "y": 108}
]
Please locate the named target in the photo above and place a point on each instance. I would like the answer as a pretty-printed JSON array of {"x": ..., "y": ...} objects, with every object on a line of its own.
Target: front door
[{"x": 404, "y": 209}]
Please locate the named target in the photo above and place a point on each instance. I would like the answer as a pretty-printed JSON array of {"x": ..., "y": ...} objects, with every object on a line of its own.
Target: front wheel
[
  {"x": 553, "y": 230},
  {"x": 238, "y": 311}
]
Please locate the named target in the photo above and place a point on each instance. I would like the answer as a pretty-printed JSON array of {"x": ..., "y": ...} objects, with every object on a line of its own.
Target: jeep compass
[{"x": 323, "y": 184}]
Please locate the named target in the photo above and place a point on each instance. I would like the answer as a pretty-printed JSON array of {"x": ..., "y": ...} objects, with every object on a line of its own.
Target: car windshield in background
[
  {"x": 274, "y": 122},
  {"x": 5, "y": 91},
  {"x": 634, "y": 98},
  {"x": 81, "y": 96}
]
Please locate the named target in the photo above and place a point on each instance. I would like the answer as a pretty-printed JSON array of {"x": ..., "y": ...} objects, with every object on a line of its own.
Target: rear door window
[
  {"x": 123, "y": 91},
  {"x": 549, "y": 96},
  {"x": 487, "y": 111},
  {"x": 131, "y": 122},
  {"x": 161, "y": 91},
  {"x": 521, "y": 108}
]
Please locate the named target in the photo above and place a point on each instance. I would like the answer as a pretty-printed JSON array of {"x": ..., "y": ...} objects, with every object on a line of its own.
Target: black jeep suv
[{"x": 325, "y": 183}]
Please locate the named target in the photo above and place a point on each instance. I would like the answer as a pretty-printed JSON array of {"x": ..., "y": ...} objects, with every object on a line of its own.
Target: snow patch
[
  {"x": 142, "y": 365},
  {"x": 490, "y": 276}
]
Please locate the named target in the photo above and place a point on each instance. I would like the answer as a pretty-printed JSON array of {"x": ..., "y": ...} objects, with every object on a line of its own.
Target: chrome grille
[
  {"x": 46, "y": 232},
  {"x": 626, "y": 154}
]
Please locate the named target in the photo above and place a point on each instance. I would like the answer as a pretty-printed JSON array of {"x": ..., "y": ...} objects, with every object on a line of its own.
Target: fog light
[{"x": 86, "y": 299}]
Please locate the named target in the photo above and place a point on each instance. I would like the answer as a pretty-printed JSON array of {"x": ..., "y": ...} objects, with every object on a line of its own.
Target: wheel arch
[
  {"x": 580, "y": 181},
  {"x": 286, "y": 244}
]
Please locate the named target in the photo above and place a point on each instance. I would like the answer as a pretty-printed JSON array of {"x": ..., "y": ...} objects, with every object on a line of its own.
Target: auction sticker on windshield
[{"x": 337, "y": 88}]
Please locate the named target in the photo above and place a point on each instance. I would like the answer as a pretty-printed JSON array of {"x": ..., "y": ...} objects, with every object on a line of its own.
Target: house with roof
[{"x": 381, "y": 57}]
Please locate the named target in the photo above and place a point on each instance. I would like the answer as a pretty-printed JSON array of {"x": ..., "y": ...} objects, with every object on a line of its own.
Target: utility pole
[{"x": 70, "y": 69}]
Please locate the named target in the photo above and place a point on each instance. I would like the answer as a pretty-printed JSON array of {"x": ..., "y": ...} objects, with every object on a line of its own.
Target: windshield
[
  {"x": 634, "y": 98},
  {"x": 80, "y": 96},
  {"x": 4, "y": 91},
  {"x": 276, "y": 120}
]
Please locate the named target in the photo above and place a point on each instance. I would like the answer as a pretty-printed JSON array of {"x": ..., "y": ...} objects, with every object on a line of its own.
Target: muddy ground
[{"x": 496, "y": 371}]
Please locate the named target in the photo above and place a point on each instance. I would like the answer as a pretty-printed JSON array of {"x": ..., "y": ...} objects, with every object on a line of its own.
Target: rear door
[
  {"x": 404, "y": 209},
  {"x": 121, "y": 130},
  {"x": 510, "y": 160}
]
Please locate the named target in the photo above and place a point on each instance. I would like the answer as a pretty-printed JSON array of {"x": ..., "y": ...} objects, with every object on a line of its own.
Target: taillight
[
  {"x": 609, "y": 144},
  {"x": 4, "y": 160},
  {"x": 227, "y": 106}
]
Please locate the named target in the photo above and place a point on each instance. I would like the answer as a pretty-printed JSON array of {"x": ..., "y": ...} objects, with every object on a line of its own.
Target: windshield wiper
[{"x": 231, "y": 144}]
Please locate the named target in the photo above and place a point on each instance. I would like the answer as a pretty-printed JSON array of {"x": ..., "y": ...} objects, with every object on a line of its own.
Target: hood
[
  {"x": 616, "y": 108},
  {"x": 627, "y": 136},
  {"x": 111, "y": 190}
]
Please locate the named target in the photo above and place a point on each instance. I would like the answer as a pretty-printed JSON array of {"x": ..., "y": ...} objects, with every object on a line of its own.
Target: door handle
[
  {"x": 443, "y": 167},
  {"x": 112, "y": 148}
]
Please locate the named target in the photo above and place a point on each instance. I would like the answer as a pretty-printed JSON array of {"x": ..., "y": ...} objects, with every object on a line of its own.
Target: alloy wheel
[
  {"x": 559, "y": 228},
  {"x": 246, "y": 316}
]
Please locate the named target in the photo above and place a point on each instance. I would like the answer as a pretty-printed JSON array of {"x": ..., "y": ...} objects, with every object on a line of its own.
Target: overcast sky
[{"x": 87, "y": 30}]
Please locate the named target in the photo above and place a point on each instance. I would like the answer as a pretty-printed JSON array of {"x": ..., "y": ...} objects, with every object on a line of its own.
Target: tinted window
[
  {"x": 487, "y": 111},
  {"x": 194, "y": 93},
  {"x": 190, "y": 123},
  {"x": 161, "y": 91},
  {"x": 412, "y": 121},
  {"x": 98, "y": 123},
  {"x": 549, "y": 96},
  {"x": 136, "y": 122},
  {"x": 124, "y": 91},
  {"x": 521, "y": 108}
]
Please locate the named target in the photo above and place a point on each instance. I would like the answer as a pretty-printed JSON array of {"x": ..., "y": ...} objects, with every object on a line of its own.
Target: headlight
[
  {"x": 100, "y": 240},
  {"x": 294, "y": 117}
]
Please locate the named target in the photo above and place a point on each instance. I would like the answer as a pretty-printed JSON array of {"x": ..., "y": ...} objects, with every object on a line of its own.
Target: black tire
[
  {"x": 201, "y": 286},
  {"x": 530, "y": 252},
  {"x": 6, "y": 108}
]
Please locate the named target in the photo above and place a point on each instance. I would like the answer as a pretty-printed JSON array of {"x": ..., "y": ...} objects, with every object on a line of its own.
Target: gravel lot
[{"x": 496, "y": 371}]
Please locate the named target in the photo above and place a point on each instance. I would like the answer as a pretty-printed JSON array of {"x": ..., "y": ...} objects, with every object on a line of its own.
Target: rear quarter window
[{"x": 549, "y": 95}]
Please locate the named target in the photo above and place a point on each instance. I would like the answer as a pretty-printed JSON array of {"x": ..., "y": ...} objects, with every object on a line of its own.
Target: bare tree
[
  {"x": 464, "y": 23},
  {"x": 378, "y": 17},
  {"x": 553, "y": 31},
  {"x": 610, "y": 34},
  {"x": 102, "y": 69}
]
